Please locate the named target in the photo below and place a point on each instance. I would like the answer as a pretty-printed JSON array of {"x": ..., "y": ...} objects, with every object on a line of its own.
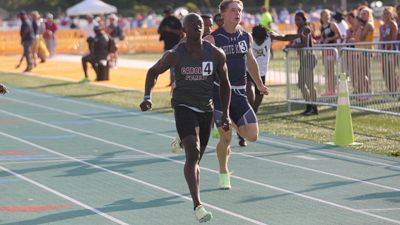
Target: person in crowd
[
  {"x": 27, "y": 38},
  {"x": 330, "y": 34},
  {"x": 117, "y": 34},
  {"x": 89, "y": 29},
  {"x": 39, "y": 49},
  {"x": 50, "y": 33},
  {"x": 170, "y": 31},
  {"x": 218, "y": 20},
  {"x": 197, "y": 64},
  {"x": 307, "y": 63},
  {"x": 342, "y": 25},
  {"x": 237, "y": 45},
  {"x": 388, "y": 32}
]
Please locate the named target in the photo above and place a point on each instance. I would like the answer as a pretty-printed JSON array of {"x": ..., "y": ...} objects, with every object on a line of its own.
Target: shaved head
[{"x": 190, "y": 18}]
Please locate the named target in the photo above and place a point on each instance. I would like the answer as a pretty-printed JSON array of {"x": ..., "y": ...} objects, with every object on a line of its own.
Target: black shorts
[
  {"x": 240, "y": 111},
  {"x": 187, "y": 120},
  {"x": 252, "y": 81}
]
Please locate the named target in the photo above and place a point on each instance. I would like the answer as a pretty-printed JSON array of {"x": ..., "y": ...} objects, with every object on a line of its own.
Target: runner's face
[
  {"x": 233, "y": 13},
  {"x": 207, "y": 26},
  {"x": 194, "y": 27}
]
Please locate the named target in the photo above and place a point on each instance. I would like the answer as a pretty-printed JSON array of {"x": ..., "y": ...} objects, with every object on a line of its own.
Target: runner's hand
[
  {"x": 3, "y": 89},
  {"x": 226, "y": 123},
  {"x": 263, "y": 90},
  {"x": 146, "y": 105}
]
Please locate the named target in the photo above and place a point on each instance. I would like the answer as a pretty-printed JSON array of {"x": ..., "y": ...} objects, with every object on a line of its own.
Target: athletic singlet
[
  {"x": 300, "y": 31},
  {"x": 327, "y": 32},
  {"x": 385, "y": 32},
  {"x": 194, "y": 79},
  {"x": 262, "y": 54},
  {"x": 235, "y": 46}
]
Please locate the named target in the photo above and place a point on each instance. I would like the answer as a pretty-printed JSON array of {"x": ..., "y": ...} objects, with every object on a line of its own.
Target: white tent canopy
[{"x": 92, "y": 7}]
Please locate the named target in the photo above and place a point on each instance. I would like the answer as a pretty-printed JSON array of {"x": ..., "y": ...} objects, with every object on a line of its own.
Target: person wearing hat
[
  {"x": 27, "y": 37},
  {"x": 171, "y": 32}
]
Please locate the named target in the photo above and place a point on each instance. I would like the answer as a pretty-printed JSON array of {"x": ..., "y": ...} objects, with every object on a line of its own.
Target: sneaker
[
  {"x": 242, "y": 142},
  {"x": 176, "y": 145},
  {"x": 84, "y": 80},
  {"x": 215, "y": 133},
  {"x": 202, "y": 215},
  {"x": 225, "y": 181}
]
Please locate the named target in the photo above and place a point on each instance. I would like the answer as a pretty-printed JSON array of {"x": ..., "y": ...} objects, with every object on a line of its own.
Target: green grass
[{"x": 379, "y": 133}]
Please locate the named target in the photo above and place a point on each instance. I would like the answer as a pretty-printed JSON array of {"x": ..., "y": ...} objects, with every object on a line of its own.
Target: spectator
[
  {"x": 117, "y": 34},
  {"x": 27, "y": 37},
  {"x": 388, "y": 32},
  {"x": 307, "y": 64},
  {"x": 266, "y": 19},
  {"x": 89, "y": 29},
  {"x": 50, "y": 34},
  {"x": 342, "y": 25},
  {"x": 330, "y": 34},
  {"x": 398, "y": 25},
  {"x": 218, "y": 20},
  {"x": 170, "y": 31},
  {"x": 39, "y": 49}
]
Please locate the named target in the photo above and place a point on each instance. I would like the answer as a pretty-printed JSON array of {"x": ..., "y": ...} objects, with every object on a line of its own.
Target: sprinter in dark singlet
[
  {"x": 196, "y": 63},
  {"x": 236, "y": 44}
]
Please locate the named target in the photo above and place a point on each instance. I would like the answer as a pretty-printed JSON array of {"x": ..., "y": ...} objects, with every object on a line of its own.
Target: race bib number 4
[{"x": 207, "y": 68}]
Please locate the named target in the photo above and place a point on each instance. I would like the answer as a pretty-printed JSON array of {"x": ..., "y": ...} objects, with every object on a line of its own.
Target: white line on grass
[
  {"x": 212, "y": 147},
  {"x": 203, "y": 168},
  {"x": 132, "y": 178},
  {"x": 113, "y": 219},
  {"x": 260, "y": 139}
]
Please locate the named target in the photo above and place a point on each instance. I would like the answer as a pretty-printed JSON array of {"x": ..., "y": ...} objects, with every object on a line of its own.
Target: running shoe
[
  {"x": 84, "y": 80},
  {"x": 225, "y": 181},
  {"x": 202, "y": 215},
  {"x": 176, "y": 145}
]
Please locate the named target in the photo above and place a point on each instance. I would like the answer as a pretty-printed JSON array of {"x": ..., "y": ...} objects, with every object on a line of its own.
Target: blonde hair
[
  {"x": 225, "y": 3},
  {"x": 392, "y": 11}
]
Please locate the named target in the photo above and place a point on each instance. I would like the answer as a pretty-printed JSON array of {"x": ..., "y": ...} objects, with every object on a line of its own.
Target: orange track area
[{"x": 126, "y": 78}]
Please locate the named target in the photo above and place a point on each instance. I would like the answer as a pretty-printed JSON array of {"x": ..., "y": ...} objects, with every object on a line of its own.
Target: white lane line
[
  {"x": 133, "y": 179},
  {"x": 203, "y": 168},
  {"x": 113, "y": 219},
  {"x": 377, "y": 210},
  {"x": 306, "y": 157},
  {"x": 211, "y": 147},
  {"x": 260, "y": 139}
]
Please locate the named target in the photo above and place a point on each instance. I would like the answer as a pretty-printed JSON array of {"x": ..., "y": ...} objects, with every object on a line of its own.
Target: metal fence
[{"x": 374, "y": 76}]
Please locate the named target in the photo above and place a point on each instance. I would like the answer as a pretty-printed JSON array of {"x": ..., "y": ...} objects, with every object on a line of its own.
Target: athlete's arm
[
  {"x": 253, "y": 69},
  {"x": 224, "y": 88},
  {"x": 168, "y": 60},
  {"x": 280, "y": 37}
]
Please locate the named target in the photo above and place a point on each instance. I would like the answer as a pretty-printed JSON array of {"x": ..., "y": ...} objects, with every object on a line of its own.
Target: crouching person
[{"x": 100, "y": 47}]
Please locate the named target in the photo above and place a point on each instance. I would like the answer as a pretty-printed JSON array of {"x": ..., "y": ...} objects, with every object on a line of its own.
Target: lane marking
[
  {"x": 113, "y": 219},
  {"x": 306, "y": 157},
  {"x": 203, "y": 168},
  {"x": 35, "y": 208},
  {"x": 279, "y": 142},
  {"x": 129, "y": 178},
  {"x": 387, "y": 209},
  {"x": 210, "y": 147}
]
